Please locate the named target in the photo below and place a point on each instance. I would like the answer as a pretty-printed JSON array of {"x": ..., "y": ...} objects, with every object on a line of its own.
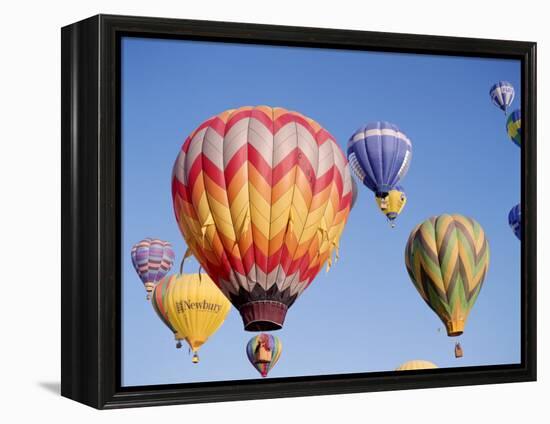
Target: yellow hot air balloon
[
  {"x": 392, "y": 204},
  {"x": 196, "y": 308},
  {"x": 417, "y": 364}
]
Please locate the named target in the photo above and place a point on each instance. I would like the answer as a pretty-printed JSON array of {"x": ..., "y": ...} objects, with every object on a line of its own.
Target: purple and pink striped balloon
[{"x": 152, "y": 259}]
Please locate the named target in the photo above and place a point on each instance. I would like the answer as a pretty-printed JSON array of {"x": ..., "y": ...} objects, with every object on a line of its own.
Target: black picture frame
[{"x": 91, "y": 211}]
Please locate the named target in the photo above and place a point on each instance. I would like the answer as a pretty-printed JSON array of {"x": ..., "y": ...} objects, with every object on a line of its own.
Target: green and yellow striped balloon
[{"x": 447, "y": 258}]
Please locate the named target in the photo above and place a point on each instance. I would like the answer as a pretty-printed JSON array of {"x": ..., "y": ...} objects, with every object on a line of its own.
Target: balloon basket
[
  {"x": 459, "y": 352},
  {"x": 195, "y": 359}
]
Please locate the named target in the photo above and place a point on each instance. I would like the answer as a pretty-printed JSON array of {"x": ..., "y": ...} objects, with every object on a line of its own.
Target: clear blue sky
[{"x": 364, "y": 315}]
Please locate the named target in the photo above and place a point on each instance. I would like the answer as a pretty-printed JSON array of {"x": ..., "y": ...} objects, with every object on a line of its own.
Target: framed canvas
[{"x": 212, "y": 172}]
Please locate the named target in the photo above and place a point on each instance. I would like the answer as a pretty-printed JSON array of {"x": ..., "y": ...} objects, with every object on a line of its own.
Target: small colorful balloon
[
  {"x": 159, "y": 301},
  {"x": 502, "y": 94},
  {"x": 152, "y": 259},
  {"x": 514, "y": 220},
  {"x": 513, "y": 127},
  {"x": 392, "y": 205},
  {"x": 263, "y": 351}
]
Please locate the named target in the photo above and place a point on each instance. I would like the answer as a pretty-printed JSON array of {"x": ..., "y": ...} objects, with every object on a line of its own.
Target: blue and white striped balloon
[
  {"x": 514, "y": 219},
  {"x": 502, "y": 94},
  {"x": 380, "y": 155}
]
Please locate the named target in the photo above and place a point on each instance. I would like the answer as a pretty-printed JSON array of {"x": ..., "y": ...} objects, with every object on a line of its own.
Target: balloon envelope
[
  {"x": 447, "y": 258},
  {"x": 196, "y": 307},
  {"x": 152, "y": 259},
  {"x": 380, "y": 155},
  {"x": 514, "y": 220},
  {"x": 513, "y": 127},
  {"x": 160, "y": 305},
  {"x": 393, "y": 203},
  {"x": 416, "y": 364},
  {"x": 502, "y": 94},
  {"x": 263, "y": 351},
  {"x": 261, "y": 196}
]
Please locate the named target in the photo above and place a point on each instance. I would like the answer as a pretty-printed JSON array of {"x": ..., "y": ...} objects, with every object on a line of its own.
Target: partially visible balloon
[
  {"x": 196, "y": 308},
  {"x": 393, "y": 203},
  {"x": 513, "y": 127},
  {"x": 261, "y": 196},
  {"x": 380, "y": 156},
  {"x": 514, "y": 220},
  {"x": 263, "y": 352},
  {"x": 416, "y": 364},
  {"x": 160, "y": 306},
  {"x": 354, "y": 193},
  {"x": 502, "y": 94},
  {"x": 152, "y": 259},
  {"x": 447, "y": 258}
]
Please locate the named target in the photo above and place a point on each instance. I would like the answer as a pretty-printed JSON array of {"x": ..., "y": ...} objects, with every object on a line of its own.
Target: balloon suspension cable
[
  {"x": 200, "y": 273},
  {"x": 181, "y": 265},
  {"x": 185, "y": 256}
]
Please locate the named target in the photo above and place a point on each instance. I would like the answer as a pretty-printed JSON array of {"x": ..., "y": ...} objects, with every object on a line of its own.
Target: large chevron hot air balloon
[
  {"x": 514, "y": 219},
  {"x": 152, "y": 259},
  {"x": 160, "y": 306},
  {"x": 502, "y": 94},
  {"x": 380, "y": 156},
  {"x": 416, "y": 364},
  {"x": 393, "y": 203},
  {"x": 261, "y": 196},
  {"x": 447, "y": 258},
  {"x": 196, "y": 308},
  {"x": 513, "y": 127},
  {"x": 263, "y": 351}
]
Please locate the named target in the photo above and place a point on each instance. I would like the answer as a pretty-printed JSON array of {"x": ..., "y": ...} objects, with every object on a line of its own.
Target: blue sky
[{"x": 364, "y": 315}]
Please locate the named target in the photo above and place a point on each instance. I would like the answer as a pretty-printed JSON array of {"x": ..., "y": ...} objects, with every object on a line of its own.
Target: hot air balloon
[
  {"x": 502, "y": 94},
  {"x": 160, "y": 306},
  {"x": 513, "y": 126},
  {"x": 447, "y": 258},
  {"x": 263, "y": 351},
  {"x": 393, "y": 203},
  {"x": 196, "y": 308},
  {"x": 152, "y": 259},
  {"x": 380, "y": 156},
  {"x": 514, "y": 219},
  {"x": 261, "y": 196},
  {"x": 416, "y": 364}
]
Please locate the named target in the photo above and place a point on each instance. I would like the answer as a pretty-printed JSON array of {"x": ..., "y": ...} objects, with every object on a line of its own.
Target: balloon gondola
[{"x": 459, "y": 352}]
